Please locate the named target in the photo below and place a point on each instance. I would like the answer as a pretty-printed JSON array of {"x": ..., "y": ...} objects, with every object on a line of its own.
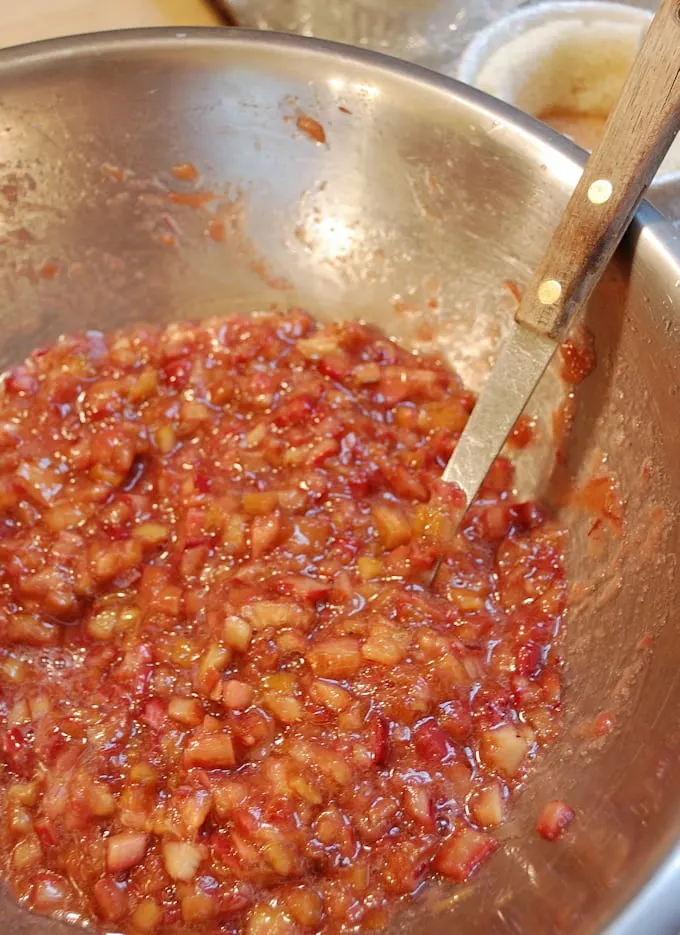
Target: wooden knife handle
[{"x": 637, "y": 136}]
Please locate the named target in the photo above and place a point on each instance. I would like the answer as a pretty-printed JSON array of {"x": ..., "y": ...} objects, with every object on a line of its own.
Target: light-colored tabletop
[{"x": 41, "y": 19}]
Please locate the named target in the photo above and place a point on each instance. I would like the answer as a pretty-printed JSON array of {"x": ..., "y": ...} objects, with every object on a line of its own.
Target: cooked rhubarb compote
[{"x": 229, "y": 700}]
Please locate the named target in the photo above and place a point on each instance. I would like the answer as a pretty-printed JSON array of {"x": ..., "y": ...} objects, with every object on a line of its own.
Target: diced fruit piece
[
  {"x": 419, "y": 806},
  {"x": 100, "y": 800},
  {"x": 264, "y": 614},
  {"x": 260, "y": 504},
  {"x": 50, "y": 892},
  {"x": 25, "y": 628},
  {"x": 554, "y": 818},
  {"x": 151, "y": 533},
  {"x": 461, "y": 854},
  {"x": 229, "y": 795},
  {"x": 237, "y": 633},
  {"x": 236, "y": 695},
  {"x": 27, "y": 853},
  {"x": 165, "y": 438},
  {"x": 18, "y": 821},
  {"x": 330, "y": 695},
  {"x": 450, "y": 415},
  {"x": 211, "y": 751},
  {"x": 334, "y": 658},
  {"x": 199, "y": 907},
  {"x": 367, "y": 373},
  {"x": 319, "y": 345},
  {"x": 102, "y": 625},
  {"x": 265, "y": 534},
  {"x": 304, "y": 588},
  {"x": 23, "y": 793},
  {"x": 144, "y": 774},
  {"x": 147, "y": 917},
  {"x": 213, "y": 662},
  {"x": 285, "y": 708},
  {"x": 504, "y": 749},
  {"x": 111, "y": 899},
  {"x": 266, "y": 920},
  {"x": 391, "y": 524},
  {"x": 431, "y": 742},
  {"x": 125, "y": 850},
  {"x": 195, "y": 807},
  {"x": 488, "y": 806},
  {"x": 369, "y": 567},
  {"x": 182, "y": 859},
  {"x": 153, "y": 714},
  {"x": 187, "y": 711},
  {"x": 386, "y": 644},
  {"x": 305, "y": 906}
]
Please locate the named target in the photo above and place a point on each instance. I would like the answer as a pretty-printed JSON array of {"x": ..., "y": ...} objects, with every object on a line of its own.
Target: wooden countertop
[{"x": 27, "y": 20}]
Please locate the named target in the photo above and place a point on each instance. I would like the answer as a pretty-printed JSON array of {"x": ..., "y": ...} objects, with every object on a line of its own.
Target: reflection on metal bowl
[{"x": 423, "y": 188}]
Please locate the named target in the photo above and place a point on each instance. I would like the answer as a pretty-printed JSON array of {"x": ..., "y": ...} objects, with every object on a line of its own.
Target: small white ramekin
[{"x": 570, "y": 56}]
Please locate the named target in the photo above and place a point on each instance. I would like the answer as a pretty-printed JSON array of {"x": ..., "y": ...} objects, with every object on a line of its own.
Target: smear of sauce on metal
[
  {"x": 585, "y": 129},
  {"x": 311, "y": 128}
]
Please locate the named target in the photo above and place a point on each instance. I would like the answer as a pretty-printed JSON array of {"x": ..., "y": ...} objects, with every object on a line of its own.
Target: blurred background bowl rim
[{"x": 493, "y": 37}]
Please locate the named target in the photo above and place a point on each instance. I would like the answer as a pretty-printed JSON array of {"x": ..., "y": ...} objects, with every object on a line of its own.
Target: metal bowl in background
[
  {"x": 429, "y": 32},
  {"x": 424, "y": 190},
  {"x": 433, "y": 33}
]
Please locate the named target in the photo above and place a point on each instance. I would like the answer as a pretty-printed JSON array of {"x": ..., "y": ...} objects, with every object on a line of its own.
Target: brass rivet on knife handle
[{"x": 635, "y": 140}]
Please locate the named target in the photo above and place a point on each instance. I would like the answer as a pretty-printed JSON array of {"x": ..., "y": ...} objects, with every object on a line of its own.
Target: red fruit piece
[
  {"x": 497, "y": 520},
  {"x": 431, "y": 742},
  {"x": 529, "y": 659},
  {"x": 449, "y": 495},
  {"x": 177, "y": 372},
  {"x": 500, "y": 477},
  {"x": 210, "y": 751},
  {"x": 19, "y": 382},
  {"x": 528, "y": 515},
  {"x": 125, "y": 850},
  {"x": 111, "y": 899},
  {"x": 578, "y": 360},
  {"x": 194, "y": 528},
  {"x": 304, "y": 588},
  {"x": 153, "y": 714},
  {"x": 17, "y": 751},
  {"x": 335, "y": 366},
  {"x": 265, "y": 534},
  {"x": 463, "y": 853},
  {"x": 379, "y": 739},
  {"x": 455, "y": 718},
  {"x": 554, "y": 818},
  {"x": 294, "y": 411},
  {"x": 47, "y": 834},
  {"x": 322, "y": 450},
  {"x": 418, "y": 805}
]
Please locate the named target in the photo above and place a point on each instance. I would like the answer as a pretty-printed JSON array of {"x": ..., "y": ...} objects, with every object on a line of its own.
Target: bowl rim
[{"x": 653, "y": 907}]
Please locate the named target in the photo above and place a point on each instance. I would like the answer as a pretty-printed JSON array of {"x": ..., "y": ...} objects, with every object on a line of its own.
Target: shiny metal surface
[
  {"x": 426, "y": 193},
  {"x": 521, "y": 363},
  {"x": 429, "y": 32},
  {"x": 665, "y": 196}
]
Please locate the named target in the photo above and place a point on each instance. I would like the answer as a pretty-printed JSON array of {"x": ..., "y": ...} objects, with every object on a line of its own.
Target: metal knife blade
[{"x": 521, "y": 363}]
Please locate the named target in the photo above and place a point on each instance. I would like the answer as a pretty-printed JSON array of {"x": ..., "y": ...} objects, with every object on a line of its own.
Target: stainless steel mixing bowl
[{"x": 425, "y": 190}]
